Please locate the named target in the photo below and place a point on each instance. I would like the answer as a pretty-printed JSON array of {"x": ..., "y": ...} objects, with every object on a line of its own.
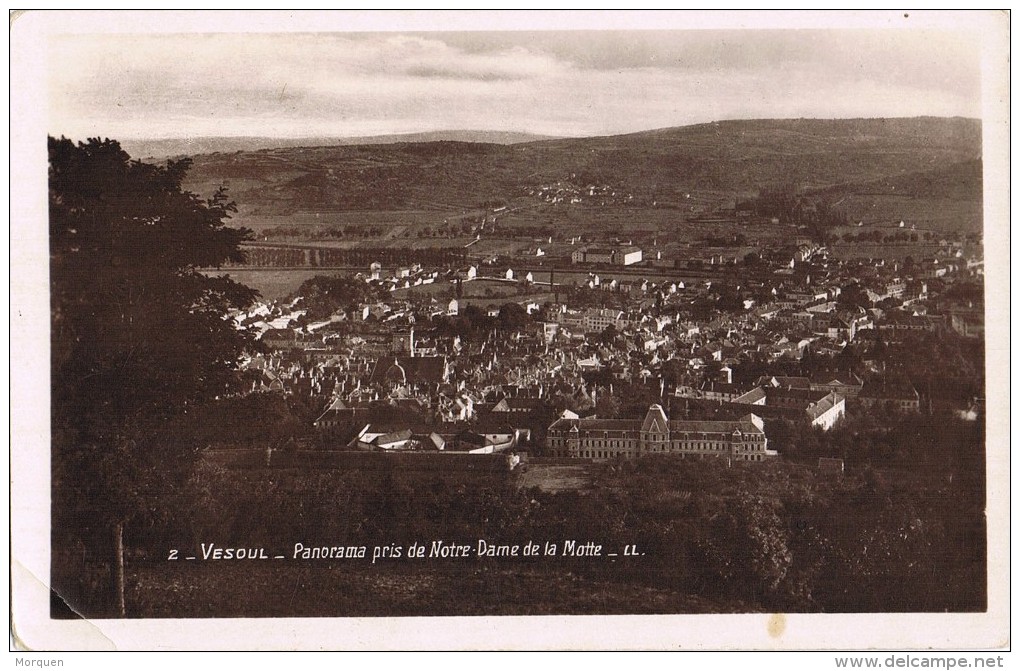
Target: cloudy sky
[{"x": 553, "y": 82}]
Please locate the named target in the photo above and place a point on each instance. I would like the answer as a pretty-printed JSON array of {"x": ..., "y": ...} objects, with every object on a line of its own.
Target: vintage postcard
[{"x": 510, "y": 330}]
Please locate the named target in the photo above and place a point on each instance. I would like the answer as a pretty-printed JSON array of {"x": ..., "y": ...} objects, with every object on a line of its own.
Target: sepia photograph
[{"x": 667, "y": 327}]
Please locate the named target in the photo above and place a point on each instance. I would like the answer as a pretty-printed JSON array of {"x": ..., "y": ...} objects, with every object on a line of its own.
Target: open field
[
  {"x": 928, "y": 214},
  {"x": 479, "y": 288},
  {"x": 272, "y": 283},
  {"x": 886, "y": 250},
  {"x": 260, "y": 222},
  {"x": 495, "y": 301},
  {"x": 555, "y": 479},
  {"x": 526, "y": 228},
  {"x": 386, "y": 240}
]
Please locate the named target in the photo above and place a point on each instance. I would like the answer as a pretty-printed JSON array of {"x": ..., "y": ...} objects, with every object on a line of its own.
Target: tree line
[{"x": 283, "y": 257}]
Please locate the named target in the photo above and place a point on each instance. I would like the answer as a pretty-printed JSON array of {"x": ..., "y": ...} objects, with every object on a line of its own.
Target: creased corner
[{"x": 30, "y": 632}]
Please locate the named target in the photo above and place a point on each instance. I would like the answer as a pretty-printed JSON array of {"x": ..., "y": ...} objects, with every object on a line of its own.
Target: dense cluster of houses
[{"x": 389, "y": 379}]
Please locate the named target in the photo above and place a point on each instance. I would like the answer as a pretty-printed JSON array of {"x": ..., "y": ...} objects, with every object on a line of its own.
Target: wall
[{"x": 312, "y": 459}]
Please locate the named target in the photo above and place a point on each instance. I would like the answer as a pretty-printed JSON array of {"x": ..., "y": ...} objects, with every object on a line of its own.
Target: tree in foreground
[{"x": 138, "y": 336}]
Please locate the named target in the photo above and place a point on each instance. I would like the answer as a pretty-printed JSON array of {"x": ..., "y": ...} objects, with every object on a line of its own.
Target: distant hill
[
  {"x": 727, "y": 156},
  {"x": 175, "y": 147},
  {"x": 956, "y": 181}
]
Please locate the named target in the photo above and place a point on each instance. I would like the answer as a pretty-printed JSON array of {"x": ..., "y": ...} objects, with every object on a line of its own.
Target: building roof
[
  {"x": 393, "y": 437},
  {"x": 844, "y": 379},
  {"x": 806, "y": 395},
  {"x": 723, "y": 387},
  {"x": 786, "y": 382},
  {"x": 752, "y": 396},
  {"x": 418, "y": 369},
  {"x": 498, "y": 422},
  {"x": 597, "y": 424},
  {"x": 735, "y": 411},
  {"x": 893, "y": 389},
  {"x": 654, "y": 416},
  {"x": 655, "y": 420},
  {"x": 473, "y": 438},
  {"x": 712, "y": 426},
  {"x": 523, "y": 403}
]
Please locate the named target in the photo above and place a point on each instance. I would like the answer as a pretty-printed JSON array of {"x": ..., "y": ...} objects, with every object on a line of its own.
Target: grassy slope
[{"x": 735, "y": 156}]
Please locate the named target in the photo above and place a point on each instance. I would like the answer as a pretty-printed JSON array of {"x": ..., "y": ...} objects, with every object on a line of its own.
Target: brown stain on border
[{"x": 777, "y": 625}]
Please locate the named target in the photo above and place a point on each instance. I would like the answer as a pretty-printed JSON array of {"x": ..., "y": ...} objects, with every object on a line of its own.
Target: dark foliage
[
  {"x": 747, "y": 538},
  {"x": 138, "y": 334},
  {"x": 475, "y": 325},
  {"x": 323, "y": 295}
]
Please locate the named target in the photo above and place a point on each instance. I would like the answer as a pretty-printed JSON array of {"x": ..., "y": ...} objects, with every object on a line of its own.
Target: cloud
[
  {"x": 561, "y": 83},
  {"x": 430, "y": 72}
]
